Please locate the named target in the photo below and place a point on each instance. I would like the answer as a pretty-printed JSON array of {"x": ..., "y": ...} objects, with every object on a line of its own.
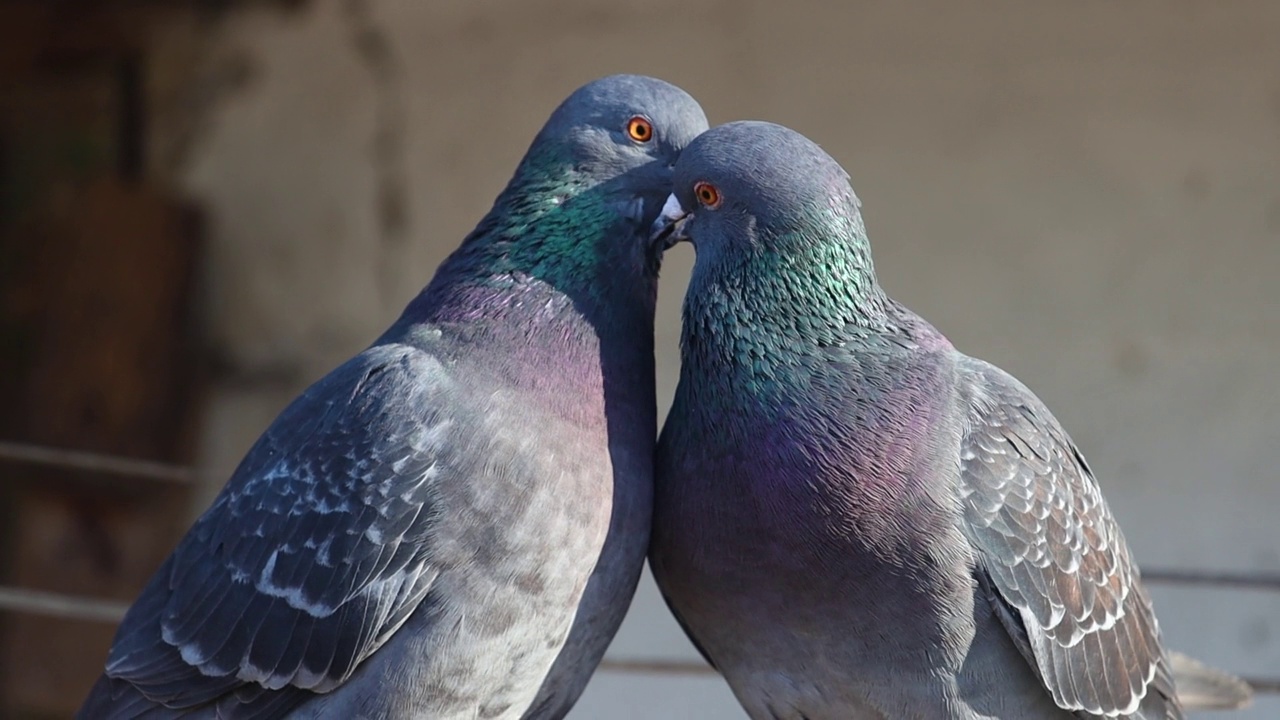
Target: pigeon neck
[
  {"x": 761, "y": 317},
  {"x": 553, "y": 283},
  {"x": 811, "y": 295},
  {"x": 560, "y": 228},
  {"x": 537, "y": 339}
]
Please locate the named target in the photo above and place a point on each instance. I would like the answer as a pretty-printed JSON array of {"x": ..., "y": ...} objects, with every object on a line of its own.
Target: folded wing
[{"x": 1053, "y": 559}]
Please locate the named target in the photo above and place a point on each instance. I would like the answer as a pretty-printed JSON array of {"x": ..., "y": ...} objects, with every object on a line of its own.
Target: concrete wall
[{"x": 1086, "y": 193}]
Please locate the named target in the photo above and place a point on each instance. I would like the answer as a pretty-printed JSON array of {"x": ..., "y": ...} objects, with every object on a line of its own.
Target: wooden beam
[{"x": 111, "y": 368}]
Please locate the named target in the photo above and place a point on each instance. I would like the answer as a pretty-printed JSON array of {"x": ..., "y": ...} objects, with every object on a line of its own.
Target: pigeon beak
[{"x": 668, "y": 229}]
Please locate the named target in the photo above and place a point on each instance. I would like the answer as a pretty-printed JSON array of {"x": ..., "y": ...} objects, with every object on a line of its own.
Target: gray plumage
[
  {"x": 452, "y": 523},
  {"x": 852, "y": 518}
]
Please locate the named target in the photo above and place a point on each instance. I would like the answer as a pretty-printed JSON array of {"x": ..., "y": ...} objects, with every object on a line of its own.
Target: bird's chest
[
  {"x": 581, "y": 453},
  {"x": 558, "y": 465},
  {"x": 781, "y": 522},
  {"x": 804, "y": 493},
  {"x": 795, "y": 547}
]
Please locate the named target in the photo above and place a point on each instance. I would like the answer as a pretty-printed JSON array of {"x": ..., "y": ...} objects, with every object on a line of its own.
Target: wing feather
[
  {"x": 1055, "y": 556},
  {"x": 312, "y": 555}
]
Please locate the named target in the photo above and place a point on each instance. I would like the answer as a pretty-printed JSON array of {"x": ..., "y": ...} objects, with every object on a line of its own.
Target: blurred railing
[{"x": 37, "y": 602}]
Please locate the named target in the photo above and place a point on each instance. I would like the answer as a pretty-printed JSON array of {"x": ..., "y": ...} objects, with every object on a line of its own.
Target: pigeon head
[
  {"x": 778, "y": 234},
  {"x": 577, "y": 211},
  {"x": 615, "y": 125},
  {"x": 750, "y": 186},
  {"x": 616, "y": 140}
]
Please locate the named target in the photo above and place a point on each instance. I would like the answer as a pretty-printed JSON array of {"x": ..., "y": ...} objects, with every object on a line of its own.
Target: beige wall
[{"x": 1087, "y": 193}]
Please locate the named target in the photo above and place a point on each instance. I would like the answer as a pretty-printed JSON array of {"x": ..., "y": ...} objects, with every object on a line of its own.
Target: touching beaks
[{"x": 668, "y": 229}]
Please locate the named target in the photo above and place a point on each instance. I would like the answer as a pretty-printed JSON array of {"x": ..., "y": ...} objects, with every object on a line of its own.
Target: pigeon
[
  {"x": 452, "y": 523},
  {"x": 852, "y": 519}
]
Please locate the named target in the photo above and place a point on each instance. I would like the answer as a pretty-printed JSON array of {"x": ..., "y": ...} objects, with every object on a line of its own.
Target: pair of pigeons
[{"x": 850, "y": 518}]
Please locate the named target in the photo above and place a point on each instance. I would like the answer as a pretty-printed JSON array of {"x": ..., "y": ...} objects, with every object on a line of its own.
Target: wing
[
  {"x": 315, "y": 552},
  {"x": 1052, "y": 557}
]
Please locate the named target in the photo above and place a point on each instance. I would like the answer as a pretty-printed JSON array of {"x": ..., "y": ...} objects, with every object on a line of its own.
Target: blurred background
[{"x": 205, "y": 206}]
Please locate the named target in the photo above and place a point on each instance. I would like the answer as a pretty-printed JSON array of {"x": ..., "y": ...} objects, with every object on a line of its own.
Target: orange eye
[
  {"x": 639, "y": 129},
  {"x": 707, "y": 194}
]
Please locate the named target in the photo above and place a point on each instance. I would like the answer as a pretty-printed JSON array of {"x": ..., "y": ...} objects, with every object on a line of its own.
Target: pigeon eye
[
  {"x": 707, "y": 194},
  {"x": 640, "y": 129}
]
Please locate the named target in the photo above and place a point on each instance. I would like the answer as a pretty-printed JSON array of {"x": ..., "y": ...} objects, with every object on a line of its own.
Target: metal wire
[
  {"x": 657, "y": 667},
  {"x": 695, "y": 668},
  {"x": 1210, "y": 578},
  {"x": 94, "y": 462},
  {"x": 69, "y": 607},
  {"x": 63, "y": 607}
]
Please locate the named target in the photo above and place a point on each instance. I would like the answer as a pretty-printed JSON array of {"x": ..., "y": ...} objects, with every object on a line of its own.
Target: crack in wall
[{"x": 374, "y": 48}]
